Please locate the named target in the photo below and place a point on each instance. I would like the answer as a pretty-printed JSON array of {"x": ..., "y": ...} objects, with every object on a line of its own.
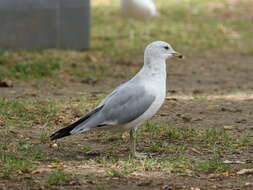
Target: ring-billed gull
[
  {"x": 131, "y": 103},
  {"x": 138, "y": 9}
]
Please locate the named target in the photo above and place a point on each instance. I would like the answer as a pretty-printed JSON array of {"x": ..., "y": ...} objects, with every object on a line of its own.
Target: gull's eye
[{"x": 166, "y": 47}]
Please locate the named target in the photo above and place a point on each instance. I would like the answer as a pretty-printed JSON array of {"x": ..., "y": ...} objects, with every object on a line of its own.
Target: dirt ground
[{"x": 203, "y": 92}]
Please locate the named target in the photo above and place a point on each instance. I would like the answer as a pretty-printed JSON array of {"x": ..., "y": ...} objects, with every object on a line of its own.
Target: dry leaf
[
  {"x": 56, "y": 165},
  {"x": 194, "y": 188},
  {"x": 233, "y": 162},
  {"x": 32, "y": 93},
  {"x": 38, "y": 171},
  {"x": 226, "y": 174},
  {"x": 194, "y": 150},
  {"x": 245, "y": 171},
  {"x": 248, "y": 184},
  {"x": 188, "y": 171},
  {"x": 228, "y": 127}
]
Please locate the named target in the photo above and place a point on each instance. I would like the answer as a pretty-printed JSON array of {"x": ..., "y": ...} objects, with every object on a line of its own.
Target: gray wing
[
  {"x": 126, "y": 104},
  {"x": 107, "y": 98},
  {"x": 123, "y": 105}
]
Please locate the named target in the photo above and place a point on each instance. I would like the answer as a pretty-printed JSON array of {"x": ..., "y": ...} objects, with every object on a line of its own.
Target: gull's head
[{"x": 161, "y": 50}]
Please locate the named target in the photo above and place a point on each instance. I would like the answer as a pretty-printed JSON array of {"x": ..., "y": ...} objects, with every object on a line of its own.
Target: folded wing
[{"x": 122, "y": 106}]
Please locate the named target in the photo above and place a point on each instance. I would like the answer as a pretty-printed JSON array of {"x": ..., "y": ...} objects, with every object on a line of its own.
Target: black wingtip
[
  {"x": 61, "y": 133},
  {"x": 66, "y": 131}
]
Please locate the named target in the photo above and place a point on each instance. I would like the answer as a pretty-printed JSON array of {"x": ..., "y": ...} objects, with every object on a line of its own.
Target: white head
[{"x": 160, "y": 50}]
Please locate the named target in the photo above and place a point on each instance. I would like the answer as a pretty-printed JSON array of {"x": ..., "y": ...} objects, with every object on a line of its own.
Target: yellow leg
[{"x": 133, "y": 153}]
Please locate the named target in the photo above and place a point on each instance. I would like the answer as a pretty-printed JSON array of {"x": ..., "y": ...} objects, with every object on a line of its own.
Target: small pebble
[{"x": 55, "y": 145}]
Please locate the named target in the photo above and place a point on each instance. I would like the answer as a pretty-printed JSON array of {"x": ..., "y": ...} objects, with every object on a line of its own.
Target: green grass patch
[
  {"x": 216, "y": 136},
  {"x": 91, "y": 70},
  {"x": 3, "y": 57},
  {"x": 86, "y": 148},
  {"x": 215, "y": 164},
  {"x": 27, "y": 112},
  {"x": 10, "y": 164},
  {"x": 44, "y": 136},
  {"x": 177, "y": 163},
  {"x": 166, "y": 131},
  {"x": 117, "y": 172},
  {"x": 34, "y": 70},
  {"x": 244, "y": 140},
  {"x": 58, "y": 177},
  {"x": 6, "y": 136},
  {"x": 28, "y": 69}
]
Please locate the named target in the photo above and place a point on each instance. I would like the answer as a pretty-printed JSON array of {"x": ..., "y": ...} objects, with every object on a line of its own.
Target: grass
[
  {"x": 10, "y": 164},
  {"x": 86, "y": 148},
  {"x": 24, "y": 112},
  {"x": 168, "y": 132},
  {"x": 34, "y": 70},
  {"x": 2, "y": 57},
  {"x": 117, "y": 172},
  {"x": 58, "y": 177},
  {"x": 215, "y": 164},
  {"x": 26, "y": 69},
  {"x": 28, "y": 112},
  {"x": 216, "y": 136},
  {"x": 191, "y": 23},
  {"x": 171, "y": 147}
]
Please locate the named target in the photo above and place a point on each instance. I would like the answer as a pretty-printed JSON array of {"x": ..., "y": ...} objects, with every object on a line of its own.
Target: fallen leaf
[
  {"x": 91, "y": 58},
  {"x": 194, "y": 150},
  {"x": 211, "y": 176},
  {"x": 226, "y": 174},
  {"x": 32, "y": 93},
  {"x": 56, "y": 165},
  {"x": 228, "y": 127},
  {"x": 194, "y": 188},
  {"x": 91, "y": 182},
  {"x": 233, "y": 162},
  {"x": 38, "y": 171},
  {"x": 248, "y": 184},
  {"x": 188, "y": 171},
  {"x": 245, "y": 171},
  {"x": 74, "y": 182}
]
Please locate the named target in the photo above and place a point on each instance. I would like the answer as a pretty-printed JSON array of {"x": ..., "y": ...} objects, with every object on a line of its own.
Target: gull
[
  {"x": 138, "y": 9},
  {"x": 131, "y": 103}
]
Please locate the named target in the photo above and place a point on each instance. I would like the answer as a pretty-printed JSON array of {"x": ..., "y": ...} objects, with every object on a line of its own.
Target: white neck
[{"x": 154, "y": 66}]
